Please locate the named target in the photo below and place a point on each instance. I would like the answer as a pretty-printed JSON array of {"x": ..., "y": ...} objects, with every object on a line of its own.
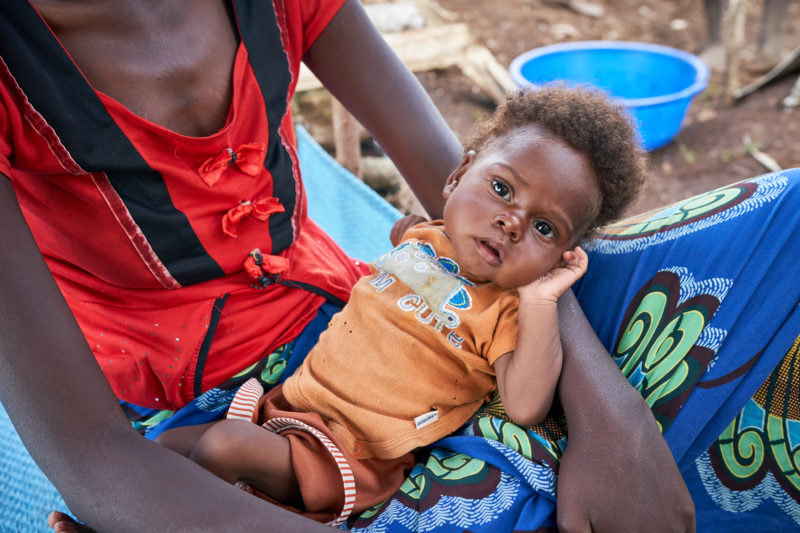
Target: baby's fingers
[{"x": 576, "y": 259}]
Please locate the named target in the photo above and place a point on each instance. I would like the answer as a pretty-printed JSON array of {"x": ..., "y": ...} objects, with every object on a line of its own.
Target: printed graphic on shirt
[{"x": 435, "y": 281}]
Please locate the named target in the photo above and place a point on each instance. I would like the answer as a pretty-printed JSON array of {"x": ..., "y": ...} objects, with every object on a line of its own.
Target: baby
[{"x": 460, "y": 307}]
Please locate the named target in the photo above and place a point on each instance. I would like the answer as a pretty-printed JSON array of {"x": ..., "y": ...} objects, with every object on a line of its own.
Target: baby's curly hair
[{"x": 588, "y": 121}]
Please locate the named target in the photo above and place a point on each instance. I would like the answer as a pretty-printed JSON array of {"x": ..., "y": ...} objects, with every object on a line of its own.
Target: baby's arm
[
  {"x": 402, "y": 225},
  {"x": 528, "y": 376}
]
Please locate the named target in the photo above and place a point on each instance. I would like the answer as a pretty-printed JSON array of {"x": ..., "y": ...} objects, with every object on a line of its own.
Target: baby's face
[{"x": 514, "y": 209}]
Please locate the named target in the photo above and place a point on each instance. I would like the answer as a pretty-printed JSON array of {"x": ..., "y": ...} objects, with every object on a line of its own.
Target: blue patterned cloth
[
  {"x": 705, "y": 322},
  {"x": 698, "y": 303}
]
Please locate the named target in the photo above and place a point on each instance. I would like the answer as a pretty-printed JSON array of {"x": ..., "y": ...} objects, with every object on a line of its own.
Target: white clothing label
[{"x": 427, "y": 419}]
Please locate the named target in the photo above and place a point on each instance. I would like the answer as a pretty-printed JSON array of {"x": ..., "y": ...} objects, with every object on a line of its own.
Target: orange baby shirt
[{"x": 409, "y": 359}]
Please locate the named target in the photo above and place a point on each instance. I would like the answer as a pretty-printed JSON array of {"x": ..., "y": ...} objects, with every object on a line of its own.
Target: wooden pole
[{"x": 345, "y": 138}]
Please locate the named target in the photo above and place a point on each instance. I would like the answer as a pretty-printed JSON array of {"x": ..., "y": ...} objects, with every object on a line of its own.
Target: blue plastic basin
[{"x": 655, "y": 83}]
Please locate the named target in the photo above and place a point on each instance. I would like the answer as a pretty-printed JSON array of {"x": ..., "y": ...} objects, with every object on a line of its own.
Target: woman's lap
[
  {"x": 698, "y": 303},
  {"x": 213, "y": 404}
]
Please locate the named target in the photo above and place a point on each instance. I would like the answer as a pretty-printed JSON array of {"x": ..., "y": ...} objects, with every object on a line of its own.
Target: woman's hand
[
  {"x": 605, "y": 485},
  {"x": 617, "y": 473}
]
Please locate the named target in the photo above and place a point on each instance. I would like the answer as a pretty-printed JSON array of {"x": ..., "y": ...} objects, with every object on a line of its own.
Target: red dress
[{"x": 149, "y": 233}]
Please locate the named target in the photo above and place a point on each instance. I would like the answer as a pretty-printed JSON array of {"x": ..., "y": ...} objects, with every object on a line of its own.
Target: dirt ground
[{"x": 709, "y": 150}]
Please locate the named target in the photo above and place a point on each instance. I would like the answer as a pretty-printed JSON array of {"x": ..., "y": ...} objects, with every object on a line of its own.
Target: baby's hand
[
  {"x": 402, "y": 225},
  {"x": 553, "y": 284}
]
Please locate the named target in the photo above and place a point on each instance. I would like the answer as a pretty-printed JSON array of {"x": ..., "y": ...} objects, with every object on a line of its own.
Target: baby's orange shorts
[{"x": 333, "y": 482}]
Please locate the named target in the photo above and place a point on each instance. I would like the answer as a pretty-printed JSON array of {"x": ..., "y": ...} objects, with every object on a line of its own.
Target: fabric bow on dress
[
  {"x": 248, "y": 158},
  {"x": 260, "y": 210}
]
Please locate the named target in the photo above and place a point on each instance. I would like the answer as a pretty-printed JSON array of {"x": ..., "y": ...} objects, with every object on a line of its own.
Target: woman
[{"x": 167, "y": 70}]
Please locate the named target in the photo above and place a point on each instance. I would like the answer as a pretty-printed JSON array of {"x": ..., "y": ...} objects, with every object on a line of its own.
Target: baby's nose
[{"x": 510, "y": 224}]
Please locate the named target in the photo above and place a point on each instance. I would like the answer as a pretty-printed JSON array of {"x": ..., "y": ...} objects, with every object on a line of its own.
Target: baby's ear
[{"x": 455, "y": 176}]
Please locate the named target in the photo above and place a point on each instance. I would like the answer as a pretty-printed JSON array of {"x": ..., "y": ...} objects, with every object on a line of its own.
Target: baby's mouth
[{"x": 489, "y": 251}]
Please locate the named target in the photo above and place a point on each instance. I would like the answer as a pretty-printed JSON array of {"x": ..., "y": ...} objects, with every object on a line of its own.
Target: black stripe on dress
[
  {"x": 58, "y": 91},
  {"x": 205, "y": 347},
  {"x": 262, "y": 38}
]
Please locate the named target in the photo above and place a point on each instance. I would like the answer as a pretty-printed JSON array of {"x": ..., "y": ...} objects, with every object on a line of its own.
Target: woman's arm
[
  {"x": 617, "y": 473},
  {"x": 357, "y": 66},
  {"x": 71, "y": 423}
]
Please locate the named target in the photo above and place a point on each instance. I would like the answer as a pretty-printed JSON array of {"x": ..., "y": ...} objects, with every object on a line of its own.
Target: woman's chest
[{"x": 168, "y": 61}]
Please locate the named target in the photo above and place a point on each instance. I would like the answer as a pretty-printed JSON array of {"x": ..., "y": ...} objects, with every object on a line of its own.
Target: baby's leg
[
  {"x": 182, "y": 439},
  {"x": 237, "y": 450}
]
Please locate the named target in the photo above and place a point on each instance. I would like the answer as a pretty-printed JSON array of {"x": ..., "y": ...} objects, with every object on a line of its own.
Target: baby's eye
[
  {"x": 501, "y": 189},
  {"x": 544, "y": 228}
]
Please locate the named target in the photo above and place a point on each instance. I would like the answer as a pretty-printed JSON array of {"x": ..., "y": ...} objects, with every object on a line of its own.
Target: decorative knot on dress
[
  {"x": 248, "y": 158},
  {"x": 266, "y": 269},
  {"x": 260, "y": 210}
]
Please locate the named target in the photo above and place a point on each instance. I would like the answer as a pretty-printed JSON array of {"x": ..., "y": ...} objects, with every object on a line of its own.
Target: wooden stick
[
  {"x": 733, "y": 36},
  {"x": 345, "y": 138},
  {"x": 765, "y": 159}
]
